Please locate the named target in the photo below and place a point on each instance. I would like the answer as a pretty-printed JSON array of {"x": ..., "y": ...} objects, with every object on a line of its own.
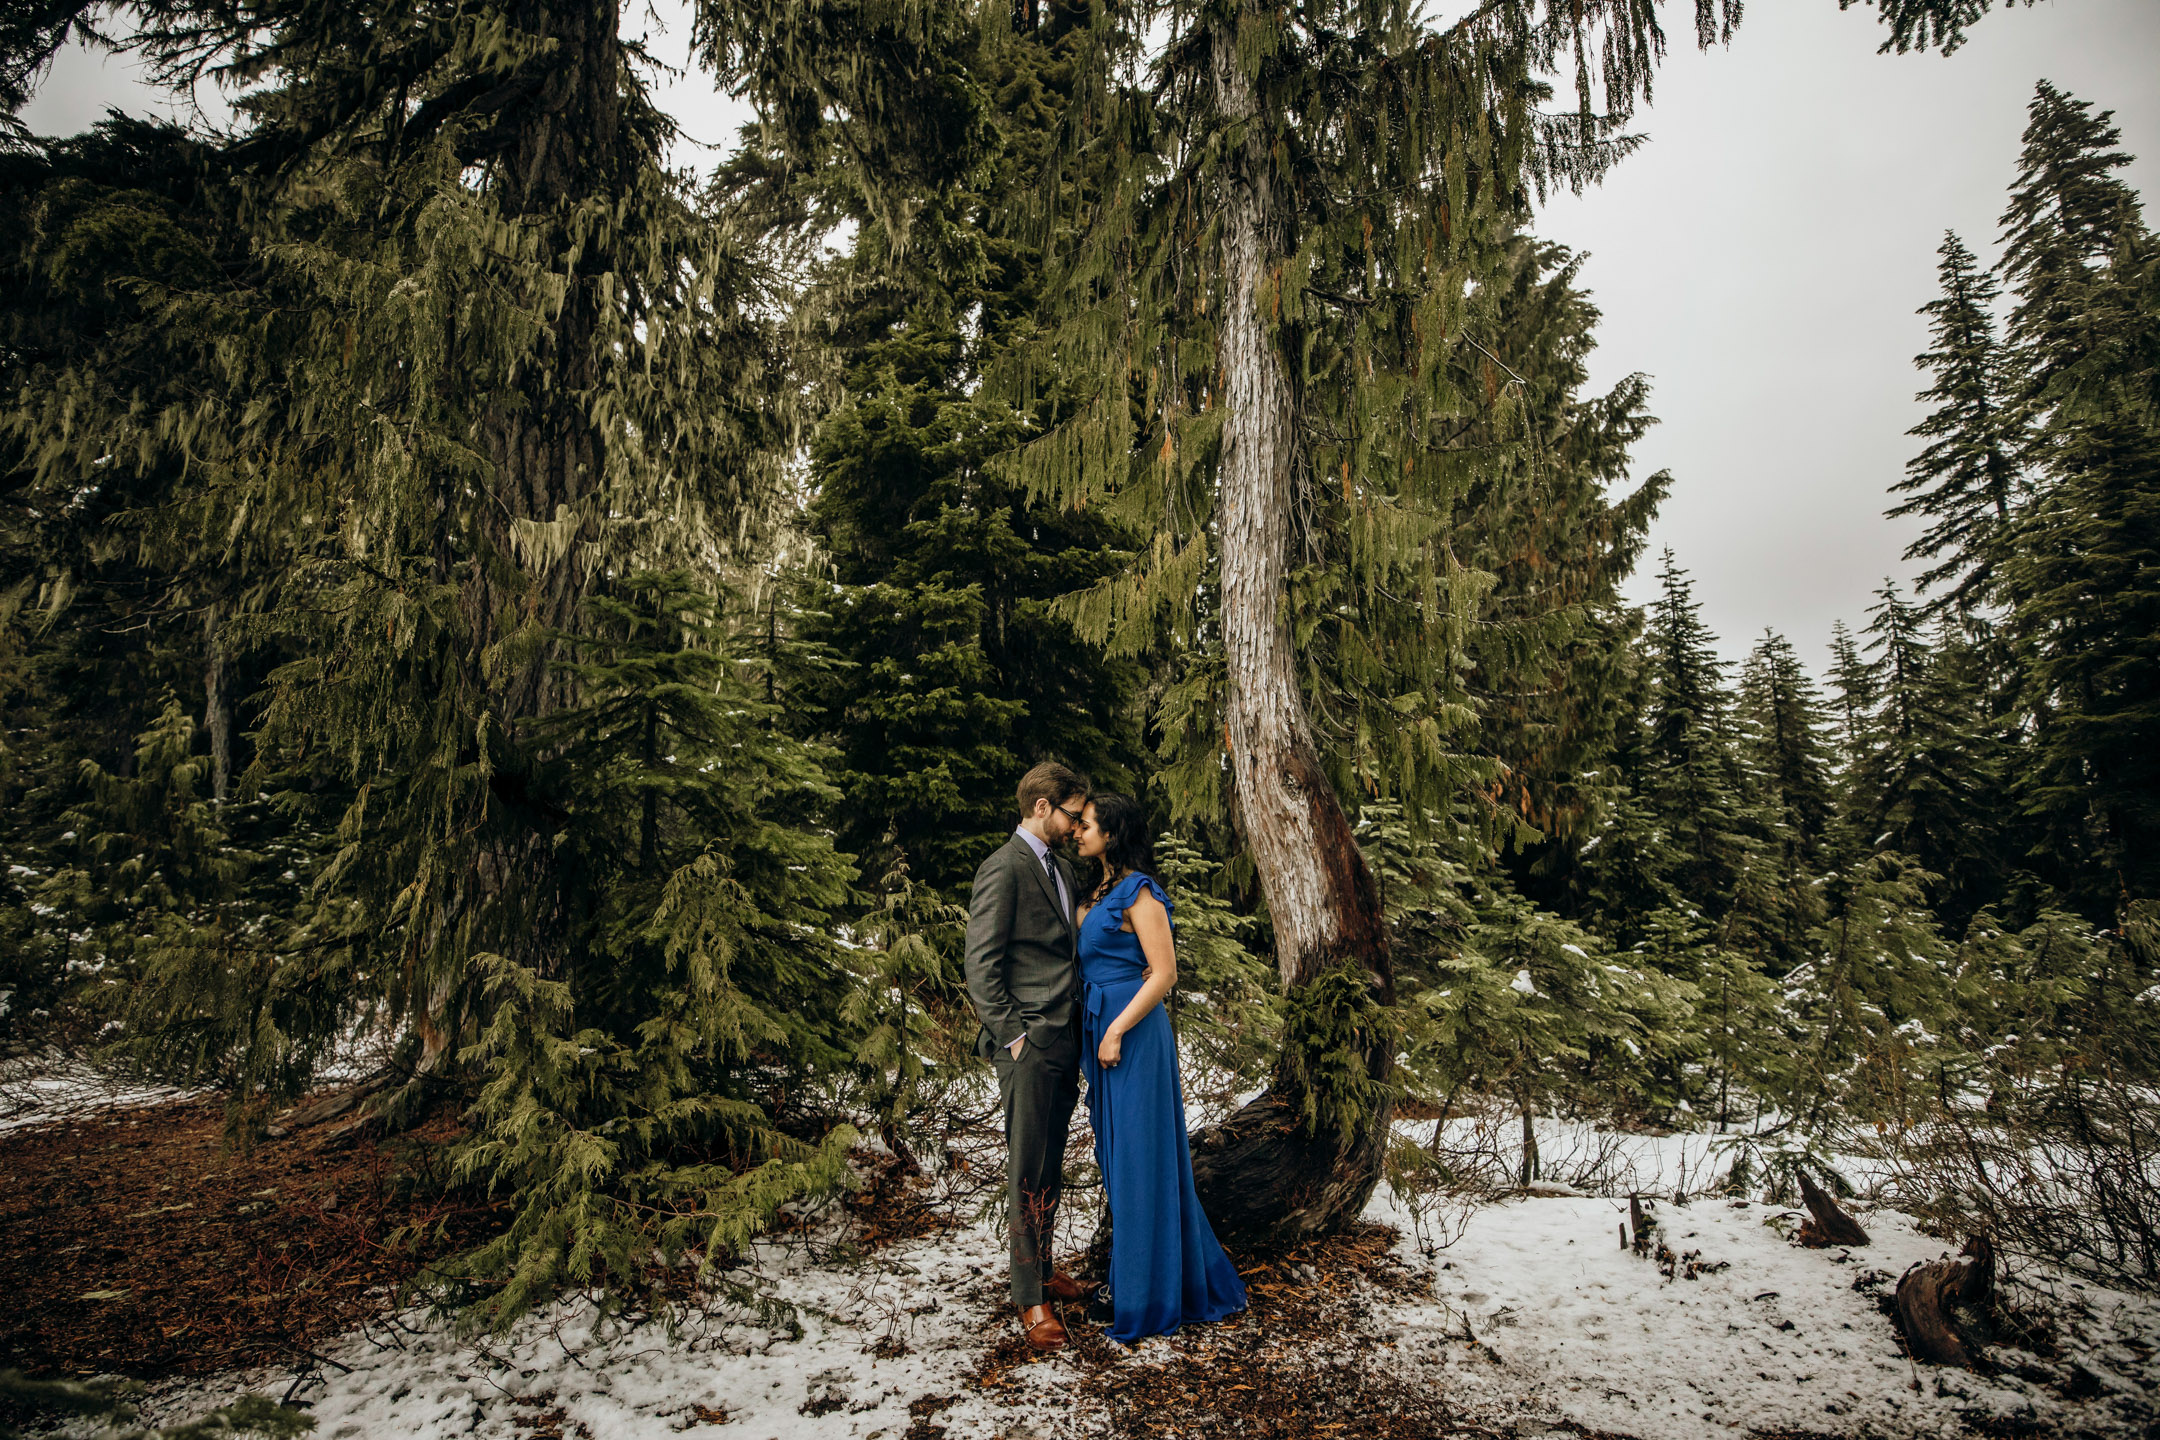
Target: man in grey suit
[{"x": 1023, "y": 973}]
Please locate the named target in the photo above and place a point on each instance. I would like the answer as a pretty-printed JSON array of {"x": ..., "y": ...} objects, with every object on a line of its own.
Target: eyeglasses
[{"x": 1068, "y": 814}]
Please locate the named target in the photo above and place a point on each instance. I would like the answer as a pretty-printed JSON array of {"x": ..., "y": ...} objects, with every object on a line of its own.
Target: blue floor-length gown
[{"x": 1166, "y": 1267}]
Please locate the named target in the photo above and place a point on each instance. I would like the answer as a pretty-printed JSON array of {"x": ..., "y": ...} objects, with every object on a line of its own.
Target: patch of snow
[
  {"x": 1784, "y": 1338},
  {"x": 42, "y": 1089},
  {"x": 876, "y": 1334}
]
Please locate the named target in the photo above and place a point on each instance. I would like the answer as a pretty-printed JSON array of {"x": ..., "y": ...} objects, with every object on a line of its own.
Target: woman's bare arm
[{"x": 1151, "y": 923}]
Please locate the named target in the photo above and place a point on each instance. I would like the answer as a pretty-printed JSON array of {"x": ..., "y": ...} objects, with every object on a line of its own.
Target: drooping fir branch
[{"x": 482, "y": 362}]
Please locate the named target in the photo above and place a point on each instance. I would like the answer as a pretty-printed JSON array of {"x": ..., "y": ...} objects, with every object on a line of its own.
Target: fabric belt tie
[{"x": 1095, "y": 1000}]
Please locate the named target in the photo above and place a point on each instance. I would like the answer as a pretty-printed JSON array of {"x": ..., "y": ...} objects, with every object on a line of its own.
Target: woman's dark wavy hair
[{"x": 1129, "y": 842}]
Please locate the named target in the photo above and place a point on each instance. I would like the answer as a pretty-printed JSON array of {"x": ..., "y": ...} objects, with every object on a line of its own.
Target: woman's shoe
[{"x": 1099, "y": 1309}]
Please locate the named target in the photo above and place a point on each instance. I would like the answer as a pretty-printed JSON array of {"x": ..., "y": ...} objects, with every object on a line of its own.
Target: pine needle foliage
[
  {"x": 1966, "y": 479},
  {"x": 628, "y": 1106},
  {"x": 2085, "y": 605},
  {"x": 1791, "y": 791},
  {"x": 912, "y": 1011},
  {"x": 1868, "y": 1009},
  {"x": 1552, "y": 656},
  {"x": 1505, "y": 999},
  {"x": 1925, "y": 25},
  {"x": 1403, "y": 157},
  {"x": 484, "y": 369},
  {"x": 958, "y": 674}
]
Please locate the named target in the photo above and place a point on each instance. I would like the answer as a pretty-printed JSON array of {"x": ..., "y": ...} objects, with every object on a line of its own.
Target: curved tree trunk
[{"x": 1264, "y": 1175}]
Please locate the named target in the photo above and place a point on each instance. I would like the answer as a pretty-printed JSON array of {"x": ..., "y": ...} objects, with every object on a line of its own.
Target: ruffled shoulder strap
[{"x": 1123, "y": 893}]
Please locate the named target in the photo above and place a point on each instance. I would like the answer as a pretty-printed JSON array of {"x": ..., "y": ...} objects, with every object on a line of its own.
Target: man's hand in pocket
[{"x": 1018, "y": 1042}]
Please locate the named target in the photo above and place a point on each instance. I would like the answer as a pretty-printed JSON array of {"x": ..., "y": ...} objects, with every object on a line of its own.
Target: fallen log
[
  {"x": 329, "y": 1105},
  {"x": 1927, "y": 1299},
  {"x": 1829, "y": 1224}
]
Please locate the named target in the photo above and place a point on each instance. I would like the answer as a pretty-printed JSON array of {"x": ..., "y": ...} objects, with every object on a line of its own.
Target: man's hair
[{"x": 1048, "y": 781}]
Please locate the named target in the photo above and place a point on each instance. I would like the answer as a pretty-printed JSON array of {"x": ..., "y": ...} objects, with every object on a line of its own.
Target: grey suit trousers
[
  {"x": 1023, "y": 976},
  {"x": 1039, "y": 1090}
]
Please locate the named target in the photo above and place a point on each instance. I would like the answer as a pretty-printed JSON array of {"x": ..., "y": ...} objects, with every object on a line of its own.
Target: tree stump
[
  {"x": 1928, "y": 1295},
  {"x": 1829, "y": 1225}
]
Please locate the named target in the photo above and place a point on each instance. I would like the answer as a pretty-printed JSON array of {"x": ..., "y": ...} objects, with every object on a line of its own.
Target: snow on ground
[
  {"x": 1537, "y": 1318},
  {"x": 874, "y": 1336},
  {"x": 40, "y": 1089},
  {"x": 1774, "y": 1337}
]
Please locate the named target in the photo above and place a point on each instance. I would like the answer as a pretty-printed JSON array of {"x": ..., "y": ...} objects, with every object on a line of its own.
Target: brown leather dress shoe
[
  {"x": 1044, "y": 1330},
  {"x": 1062, "y": 1288}
]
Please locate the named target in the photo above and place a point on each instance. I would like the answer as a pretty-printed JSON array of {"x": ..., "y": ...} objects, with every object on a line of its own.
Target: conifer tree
[
  {"x": 1542, "y": 519},
  {"x": 957, "y": 674},
  {"x": 912, "y": 1006},
  {"x": 1919, "y": 788},
  {"x": 1726, "y": 1049},
  {"x": 1871, "y": 1003},
  {"x": 2081, "y": 265},
  {"x": 2084, "y": 587},
  {"x": 1506, "y": 1000},
  {"x": 630, "y": 1097},
  {"x": 1965, "y": 480},
  {"x": 1275, "y": 290},
  {"x": 1925, "y": 25},
  {"x": 1791, "y": 794},
  {"x": 109, "y": 643},
  {"x": 484, "y": 361},
  {"x": 2068, "y": 214},
  {"x": 1853, "y": 704},
  {"x": 1689, "y": 774}
]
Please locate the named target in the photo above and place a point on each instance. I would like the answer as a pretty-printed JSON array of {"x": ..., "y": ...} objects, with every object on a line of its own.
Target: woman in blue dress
[{"x": 1166, "y": 1268}]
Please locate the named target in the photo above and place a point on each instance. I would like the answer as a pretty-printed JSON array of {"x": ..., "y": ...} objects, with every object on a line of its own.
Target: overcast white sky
[{"x": 1761, "y": 259}]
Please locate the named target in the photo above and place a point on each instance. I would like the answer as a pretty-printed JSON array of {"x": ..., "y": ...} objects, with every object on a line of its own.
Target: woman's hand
[{"x": 1113, "y": 1042}]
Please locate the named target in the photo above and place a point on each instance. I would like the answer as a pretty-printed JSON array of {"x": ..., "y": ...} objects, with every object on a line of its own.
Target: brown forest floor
[{"x": 135, "y": 1242}]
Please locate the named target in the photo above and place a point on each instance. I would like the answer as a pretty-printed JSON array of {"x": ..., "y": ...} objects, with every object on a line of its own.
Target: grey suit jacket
[{"x": 1022, "y": 969}]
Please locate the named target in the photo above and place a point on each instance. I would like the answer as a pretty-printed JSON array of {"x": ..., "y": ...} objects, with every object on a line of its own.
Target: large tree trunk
[
  {"x": 1265, "y": 1175},
  {"x": 560, "y": 140}
]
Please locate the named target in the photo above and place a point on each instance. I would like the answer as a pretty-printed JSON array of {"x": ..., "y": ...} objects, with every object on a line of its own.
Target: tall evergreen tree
[
  {"x": 109, "y": 621},
  {"x": 2086, "y": 605},
  {"x": 1790, "y": 792},
  {"x": 2068, "y": 214},
  {"x": 2084, "y": 585},
  {"x": 1853, "y": 703},
  {"x": 1965, "y": 480},
  {"x": 958, "y": 674},
  {"x": 1920, "y": 787},
  {"x": 1276, "y": 293},
  {"x": 485, "y": 360},
  {"x": 1689, "y": 772},
  {"x": 1542, "y": 517}
]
